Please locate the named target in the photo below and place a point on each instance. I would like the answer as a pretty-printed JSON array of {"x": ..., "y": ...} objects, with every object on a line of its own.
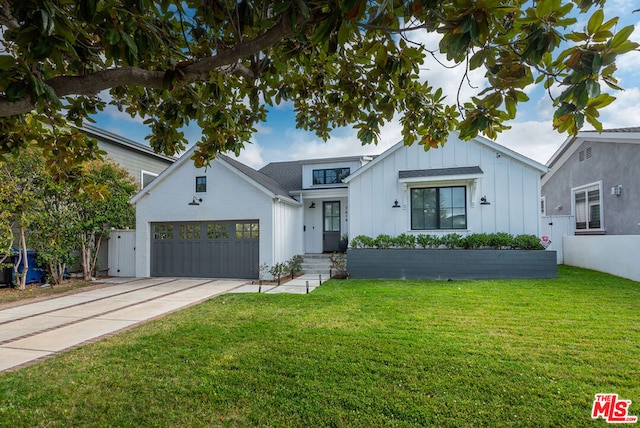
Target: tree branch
[{"x": 94, "y": 83}]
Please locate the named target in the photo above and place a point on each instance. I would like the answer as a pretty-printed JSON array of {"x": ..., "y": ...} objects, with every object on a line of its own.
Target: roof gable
[
  {"x": 255, "y": 178},
  {"x": 571, "y": 144},
  {"x": 478, "y": 140}
]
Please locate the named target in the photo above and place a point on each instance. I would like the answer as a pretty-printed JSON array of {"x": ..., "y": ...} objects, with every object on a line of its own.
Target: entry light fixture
[
  {"x": 195, "y": 201},
  {"x": 483, "y": 201},
  {"x": 395, "y": 204},
  {"x": 313, "y": 205}
]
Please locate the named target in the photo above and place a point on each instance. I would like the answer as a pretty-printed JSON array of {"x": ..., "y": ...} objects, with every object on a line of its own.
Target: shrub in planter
[
  {"x": 405, "y": 240},
  {"x": 476, "y": 240},
  {"x": 428, "y": 241},
  {"x": 383, "y": 242},
  {"x": 452, "y": 240},
  {"x": 294, "y": 265},
  {"x": 501, "y": 240},
  {"x": 527, "y": 242},
  {"x": 362, "y": 241}
]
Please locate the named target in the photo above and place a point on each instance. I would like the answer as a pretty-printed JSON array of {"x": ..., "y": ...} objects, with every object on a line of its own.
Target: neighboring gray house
[
  {"x": 140, "y": 161},
  {"x": 595, "y": 179}
]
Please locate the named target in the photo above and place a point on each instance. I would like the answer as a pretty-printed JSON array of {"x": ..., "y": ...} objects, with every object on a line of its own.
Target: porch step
[{"x": 316, "y": 264}]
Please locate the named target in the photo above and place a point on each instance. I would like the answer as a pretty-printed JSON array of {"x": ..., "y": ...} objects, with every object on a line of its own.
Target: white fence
[
  {"x": 556, "y": 227},
  {"x": 615, "y": 254},
  {"x": 122, "y": 256}
]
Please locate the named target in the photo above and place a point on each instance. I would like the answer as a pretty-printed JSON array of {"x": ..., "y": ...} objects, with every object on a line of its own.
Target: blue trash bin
[{"x": 35, "y": 274}]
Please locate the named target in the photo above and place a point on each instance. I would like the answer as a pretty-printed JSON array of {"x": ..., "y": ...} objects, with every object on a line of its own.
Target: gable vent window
[
  {"x": 581, "y": 155},
  {"x": 588, "y": 152}
]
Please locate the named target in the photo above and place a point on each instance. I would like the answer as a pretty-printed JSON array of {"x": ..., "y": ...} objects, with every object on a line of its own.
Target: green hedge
[{"x": 499, "y": 240}]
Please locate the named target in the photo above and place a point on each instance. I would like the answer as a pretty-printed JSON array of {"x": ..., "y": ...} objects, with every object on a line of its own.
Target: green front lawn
[{"x": 355, "y": 353}]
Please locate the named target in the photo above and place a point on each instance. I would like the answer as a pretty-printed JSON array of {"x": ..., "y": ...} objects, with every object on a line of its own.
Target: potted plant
[{"x": 344, "y": 243}]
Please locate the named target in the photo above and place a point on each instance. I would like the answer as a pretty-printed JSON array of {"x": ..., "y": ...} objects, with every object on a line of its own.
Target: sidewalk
[
  {"x": 295, "y": 286},
  {"x": 35, "y": 331}
]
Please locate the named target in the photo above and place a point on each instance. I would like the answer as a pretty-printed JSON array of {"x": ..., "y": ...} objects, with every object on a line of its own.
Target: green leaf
[
  {"x": 621, "y": 36},
  {"x": 113, "y": 36},
  {"x": 595, "y": 21},
  {"x": 7, "y": 62},
  {"x": 304, "y": 9}
]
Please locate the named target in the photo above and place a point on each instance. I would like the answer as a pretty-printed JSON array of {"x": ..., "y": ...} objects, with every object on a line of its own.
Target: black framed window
[
  {"x": 330, "y": 175},
  {"x": 201, "y": 184},
  {"x": 435, "y": 208}
]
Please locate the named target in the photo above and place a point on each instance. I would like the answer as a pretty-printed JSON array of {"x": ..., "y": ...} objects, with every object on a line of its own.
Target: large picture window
[
  {"x": 435, "y": 208},
  {"x": 588, "y": 208},
  {"x": 330, "y": 176}
]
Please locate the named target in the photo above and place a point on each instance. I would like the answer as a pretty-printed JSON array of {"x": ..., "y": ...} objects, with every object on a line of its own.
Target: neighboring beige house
[{"x": 139, "y": 160}]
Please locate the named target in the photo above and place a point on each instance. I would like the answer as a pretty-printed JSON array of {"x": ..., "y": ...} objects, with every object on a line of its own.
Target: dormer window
[{"x": 330, "y": 175}]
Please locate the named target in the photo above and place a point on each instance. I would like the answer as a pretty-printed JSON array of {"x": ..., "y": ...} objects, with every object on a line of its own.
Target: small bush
[
  {"x": 383, "y": 241},
  {"x": 362, "y": 241},
  {"x": 527, "y": 242},
  {"x": 476, "y": 240},
  {"x": 338, "y": 265},
  {"x": 501, "y": 240},
  {"x": 452, "y": 240},
  {"x": 428, "y": 241},
  {"x": 294, "y": 264},
  {"x": 405, "y": 240}
]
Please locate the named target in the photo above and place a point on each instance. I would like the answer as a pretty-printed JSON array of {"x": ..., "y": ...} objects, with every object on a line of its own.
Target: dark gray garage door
[{"x": 220, "y": 249}]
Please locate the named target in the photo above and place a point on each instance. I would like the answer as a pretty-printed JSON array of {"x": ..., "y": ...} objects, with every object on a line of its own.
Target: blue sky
[{"x": 532, "y": 133}]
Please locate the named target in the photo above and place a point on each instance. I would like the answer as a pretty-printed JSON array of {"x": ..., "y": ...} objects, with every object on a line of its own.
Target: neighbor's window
[
  {"x": 330, "y": 176},
  {"x": 438, "y": 208},
  {"x": 588, "y": 208},
  {"x": 201, "y": 184}
]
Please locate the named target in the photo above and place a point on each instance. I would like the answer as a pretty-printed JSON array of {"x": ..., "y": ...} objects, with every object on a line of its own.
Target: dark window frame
[
  {"x": 201, "y": 184},
  {"x": 438, "y": 208},
  {"x": 330, "y": 175}
]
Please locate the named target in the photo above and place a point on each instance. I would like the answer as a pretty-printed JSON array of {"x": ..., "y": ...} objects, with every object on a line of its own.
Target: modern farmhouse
[{"x": 227, "y": 219}]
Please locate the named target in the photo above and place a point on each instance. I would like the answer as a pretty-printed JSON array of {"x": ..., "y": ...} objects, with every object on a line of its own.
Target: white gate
[
  {"x": 122, "y": 257},
  {"x": 556, "y": 227}
]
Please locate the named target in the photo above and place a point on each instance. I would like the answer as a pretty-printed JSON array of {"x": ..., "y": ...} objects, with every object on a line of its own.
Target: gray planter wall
[{"x": 450, "y": 264}]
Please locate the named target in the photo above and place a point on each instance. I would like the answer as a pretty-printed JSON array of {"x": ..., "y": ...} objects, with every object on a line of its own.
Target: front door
[{"x": 331, "y": 227}]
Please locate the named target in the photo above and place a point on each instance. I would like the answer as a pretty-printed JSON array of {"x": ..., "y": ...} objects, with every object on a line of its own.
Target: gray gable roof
[
  {"x": 287, "y": 174},
  {"x": 631, "y": 129},
  {"x": 260, "y": 178},
  {"x": 438, "y": 172}
]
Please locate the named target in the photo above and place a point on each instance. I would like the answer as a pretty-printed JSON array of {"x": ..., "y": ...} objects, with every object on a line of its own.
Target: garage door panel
[{"x": 228, "y": 249}]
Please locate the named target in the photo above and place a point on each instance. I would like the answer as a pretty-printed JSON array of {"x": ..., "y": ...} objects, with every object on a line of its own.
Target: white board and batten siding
[
  {"x": 510, "y": 182},
  {"x": 229, "y": 196}
]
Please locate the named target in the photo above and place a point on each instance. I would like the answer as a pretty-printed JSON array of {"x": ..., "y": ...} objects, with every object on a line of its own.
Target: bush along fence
[{"x": 447, "y": 257}]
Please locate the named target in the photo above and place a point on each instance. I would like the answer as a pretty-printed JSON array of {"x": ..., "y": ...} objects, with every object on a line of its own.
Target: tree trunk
[{"x": 21, "y": 277}]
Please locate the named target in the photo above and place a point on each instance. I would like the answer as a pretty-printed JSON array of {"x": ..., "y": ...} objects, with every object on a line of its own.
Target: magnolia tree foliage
[{"x": 222, "y": 63}]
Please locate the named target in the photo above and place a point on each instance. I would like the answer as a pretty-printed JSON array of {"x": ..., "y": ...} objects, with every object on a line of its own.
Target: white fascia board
[
  {"x": 511, "y": 153},
  {"x": 376, "y": 161},
  {"x": 342, "y": 192}
]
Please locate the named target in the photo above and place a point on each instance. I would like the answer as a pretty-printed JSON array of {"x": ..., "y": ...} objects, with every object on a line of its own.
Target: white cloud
[{"x": 535, "y": 139}]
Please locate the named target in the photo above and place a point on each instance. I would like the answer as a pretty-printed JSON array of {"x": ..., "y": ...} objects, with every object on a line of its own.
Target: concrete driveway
[{"x": 35, "y": 331}]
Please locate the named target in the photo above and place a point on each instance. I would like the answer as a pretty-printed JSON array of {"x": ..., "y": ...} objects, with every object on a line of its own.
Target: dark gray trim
[{"x": 438, "y": 172}]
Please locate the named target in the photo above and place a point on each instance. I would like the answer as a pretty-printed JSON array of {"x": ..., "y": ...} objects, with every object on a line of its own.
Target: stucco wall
[
  {"x": 617, "y": 255},
  {"x": 512, "y": 188},
  {"x": 612, "y": 163}
]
